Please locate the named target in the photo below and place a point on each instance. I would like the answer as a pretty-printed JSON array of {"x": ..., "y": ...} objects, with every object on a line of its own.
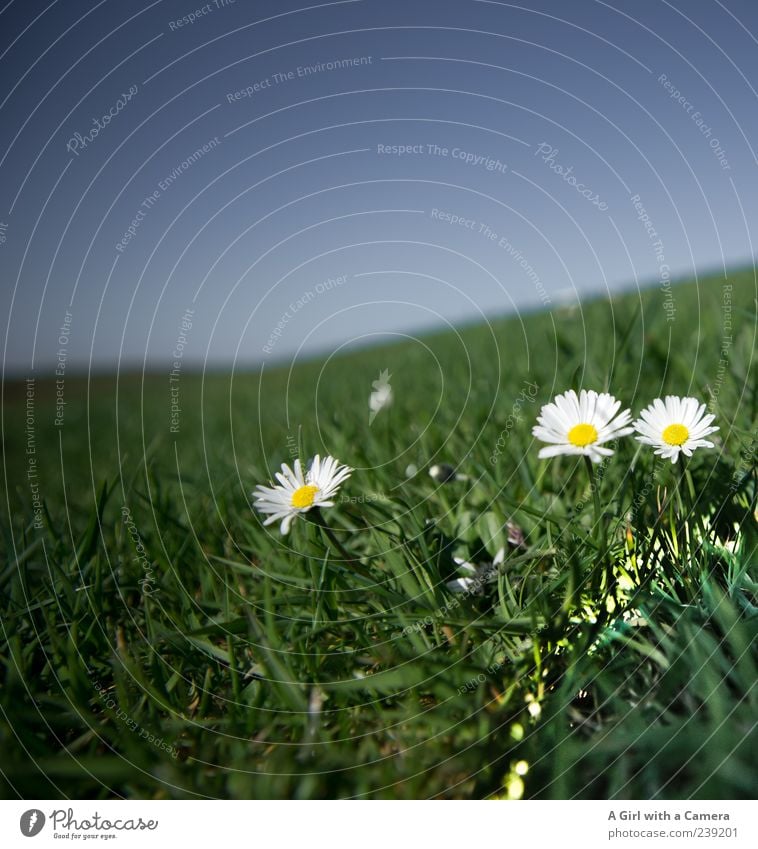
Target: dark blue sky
[{"x": 240, "y": 170}]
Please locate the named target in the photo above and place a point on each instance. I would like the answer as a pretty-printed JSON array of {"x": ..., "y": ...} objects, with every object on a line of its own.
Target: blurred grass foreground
[{"x": 159, "y": 642}]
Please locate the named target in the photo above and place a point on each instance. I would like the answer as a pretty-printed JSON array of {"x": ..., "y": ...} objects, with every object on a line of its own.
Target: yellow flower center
[
  {"x": 675, "y": 434},
  {"x": 582, "y": 435},
  {"x": 304, "y": 496}
]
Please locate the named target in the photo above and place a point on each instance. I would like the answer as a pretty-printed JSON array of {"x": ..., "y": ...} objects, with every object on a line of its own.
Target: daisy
[
  {"x": 297, "y": 493},
  {"x": 381, "y": 395},
  {"x": 475, "y": 577},
  {"x": 674, "y": 425},
  {"x": 580, "y": 424},
  {"x": 442, "y": 473}
]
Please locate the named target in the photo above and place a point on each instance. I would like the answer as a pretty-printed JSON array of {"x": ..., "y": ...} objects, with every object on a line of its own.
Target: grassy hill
[{"x": 157, "y": 641}]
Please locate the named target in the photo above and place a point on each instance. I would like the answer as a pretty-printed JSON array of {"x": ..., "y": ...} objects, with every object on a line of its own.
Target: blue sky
[{"x": 252, "y": 181}]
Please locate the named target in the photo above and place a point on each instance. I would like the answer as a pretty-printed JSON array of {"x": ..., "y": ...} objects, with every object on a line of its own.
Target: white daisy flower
[
  {"x": 443, "y": 473},
  {"x": 297, "y": 493},
  {"x": 674, "y": 425},
  {"x": 475, "y": 577},
  {"x": 580, "y": 424},
  {"x": 381, "y": 396}
]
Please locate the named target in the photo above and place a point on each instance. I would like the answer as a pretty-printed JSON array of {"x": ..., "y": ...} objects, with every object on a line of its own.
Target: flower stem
[
  {"x": 599, "y": 529},
  {"x": 689, "y": 521},
  {"x": 349, "y": 559},
  {"x": 650, "y": 558}
]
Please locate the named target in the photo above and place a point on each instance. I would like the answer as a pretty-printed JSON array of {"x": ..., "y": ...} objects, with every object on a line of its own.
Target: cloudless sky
[{"x": 243, "y": 182}]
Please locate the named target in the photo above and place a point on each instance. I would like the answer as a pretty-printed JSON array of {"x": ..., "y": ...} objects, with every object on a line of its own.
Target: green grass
[{"x": 230, "y": 662}]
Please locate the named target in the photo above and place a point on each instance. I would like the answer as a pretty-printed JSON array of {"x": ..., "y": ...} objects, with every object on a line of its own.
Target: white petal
[
  {"x": 545, "y": 435},
  {"x": 556, "y": 450},
  {"x": 460, "y": 585},
  {"x": 464, "y": 565}
]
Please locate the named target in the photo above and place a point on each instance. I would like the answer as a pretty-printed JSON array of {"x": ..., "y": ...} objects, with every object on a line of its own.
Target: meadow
[{"x": 158, "y": 642}]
